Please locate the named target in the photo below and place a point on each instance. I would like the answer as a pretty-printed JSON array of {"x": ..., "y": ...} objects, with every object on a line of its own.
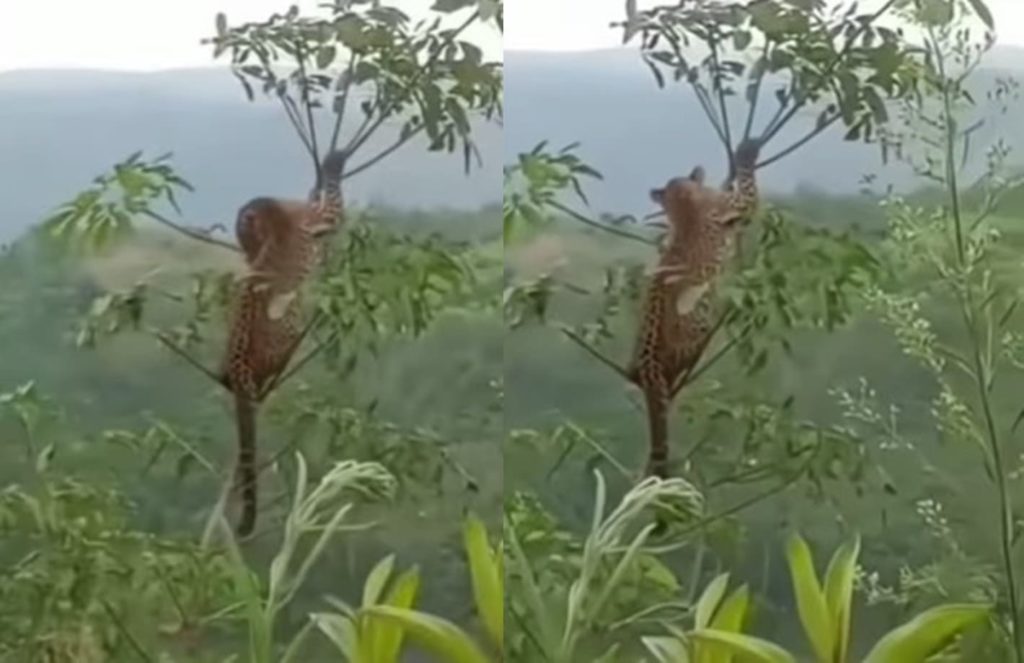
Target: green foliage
[
  {"x": 486, "y": 566},
  {"x": 104, "y": 213},
  {"x": 562, "y": 621},
  {"x": 813, "y": 53},
  {"x": 360, "y": 637},
  {"x": 533, "y": 185},
  {"x": 825, "y": 609},
  {"x": 422, "y": 73},
  {"x": 379, "y": 285},
  {"x": 81, "y": 576},
  {"x": 374, "y": 633},
  {"x": 80, "y": 584},
  {"x": 315, "y": 517}
]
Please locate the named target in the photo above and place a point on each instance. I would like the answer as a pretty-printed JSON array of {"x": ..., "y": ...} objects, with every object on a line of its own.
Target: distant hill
[
  {"x": 59, "y": 129},
  {"x": 638, "y": 135}
]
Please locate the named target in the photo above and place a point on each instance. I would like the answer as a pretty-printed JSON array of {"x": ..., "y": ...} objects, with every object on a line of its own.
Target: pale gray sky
[
  {"x": 560, "y": 25},
  {"x": 143, "y": 34}
]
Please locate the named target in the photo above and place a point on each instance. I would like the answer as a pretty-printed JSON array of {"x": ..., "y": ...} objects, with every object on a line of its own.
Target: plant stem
[
  {"x": 192, "y": 233},
  {"x": 723, "y": 108},
  {"x": 369, "y": 163},
  {"x": 568, "y": 211},
  {"x": 981, "y": 367},
  {"x": 300, "y": 55},
  {"x": 575, "y": 338}
]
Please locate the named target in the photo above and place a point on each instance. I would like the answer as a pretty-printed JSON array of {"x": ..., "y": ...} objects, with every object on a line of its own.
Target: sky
[
  {"x": 165, "y": 34},
  {"x": 142, "y": 34},
  {"x": 571, "y": 25}
]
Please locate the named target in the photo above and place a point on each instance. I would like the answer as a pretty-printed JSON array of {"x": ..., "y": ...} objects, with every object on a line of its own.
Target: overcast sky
[
  {"x": 558, "y": 25},
  {"x": 161, "y": 34},
  {"x": 141, "y": 34}
]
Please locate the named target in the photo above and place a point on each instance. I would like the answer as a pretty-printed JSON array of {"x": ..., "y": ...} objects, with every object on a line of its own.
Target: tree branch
[
  {"x": 800, "y": 103},
  {"x": 369, "y": 163},
  {"x": 691, "y": 375},
  {"x": 716, "y": 82},
  {"x": 343, "y": 93},
  {"x": 600, "y": 226},
  {"x": 575, "y": 338},
  {"x": 281, "y": 377},
  {"x": 171, "y": 345},
  {"x": 367, "y": 129},
  {"x": 756, "y": 95},
  {"x": 305, "y": 360},
  {"x": 293, "y": 116},
  {"x": 701, "y": 525},
  {"x": 709, "y": 112},
  {"x": 800, "y": 143},
  {"x": 199, "y": 235},
  {"x": 300, "y": 56}
]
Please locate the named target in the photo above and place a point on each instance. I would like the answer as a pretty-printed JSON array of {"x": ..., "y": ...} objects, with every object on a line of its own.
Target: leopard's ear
[
  {"x": 697, "y": 175},
  {"x": 658, "y": 196}
]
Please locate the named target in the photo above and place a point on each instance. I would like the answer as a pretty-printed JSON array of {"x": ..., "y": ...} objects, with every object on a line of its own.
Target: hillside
[
  {"x": 637, "y": 134},
  {"x": 59, "y": 129}
]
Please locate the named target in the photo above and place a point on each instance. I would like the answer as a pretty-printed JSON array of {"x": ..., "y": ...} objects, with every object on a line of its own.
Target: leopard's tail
[
  {"x": 245, "y": 471},
  {"x": 657, "y": 399}
]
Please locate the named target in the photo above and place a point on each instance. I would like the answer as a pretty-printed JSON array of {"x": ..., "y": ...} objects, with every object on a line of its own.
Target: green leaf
[
  {"x": 709, "y": 600},
  {"x": 449, "y": 6},
  {"x": 376, "y": 580},
  {"x": 325, "y": 56},
  {"x": 437, "y": 636},
  {"x": 982, "y": 10},
  {"x": 340, "y": 631},
  {"x": 730, "y": 616},
  {"x": 655, "y": 571},
  {"x": 810, "y": 600},
  {"x": 839, "y": 593},
  {"x": 666, "y": 649},
  {"x": 487, "y": 581},
  {"x": 728, "y": 619},
  {"x": 925, "y": 634},
  {"x": 44, "y": 458},
  {"x": 754, "y": 650},
  {"x": 385, "y": 637}
]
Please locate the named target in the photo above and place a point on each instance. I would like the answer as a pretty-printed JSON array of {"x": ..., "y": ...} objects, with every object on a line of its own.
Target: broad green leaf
[
  {"x": 753, "y": 650},
  {"x": 437, "y": 636},
  {"x": 376, "y": 580},
  {"x": 728, "y": 619},
  {"x": 839, "y": 594},
  {"x": 732, "y": 611},
  {"x": 982, "y": 10},
  {"x": 709, "y": 600},
  {"x": 666, "y": 649},
  {"x": 487, "y": 581},
  {"x": 810, "y": 600},
  {"x": 340, "y": 631},
  {"x": 385, "y": 637},
  {"x": 925, "y": 634}
]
